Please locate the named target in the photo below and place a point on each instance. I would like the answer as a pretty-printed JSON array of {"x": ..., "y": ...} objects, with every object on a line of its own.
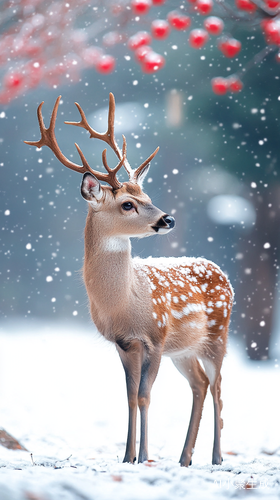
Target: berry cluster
[
  {"x": 245, "y": 10},
  {"x": 43, "y": 44},
  {"x": 223, "y": 85},
  {"x": 45, "y": 47}
]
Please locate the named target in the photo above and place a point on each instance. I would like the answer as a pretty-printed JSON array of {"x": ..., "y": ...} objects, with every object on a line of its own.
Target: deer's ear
[
  {"x": 141, "y": 176},
  {"x": 91, "y": 189}
]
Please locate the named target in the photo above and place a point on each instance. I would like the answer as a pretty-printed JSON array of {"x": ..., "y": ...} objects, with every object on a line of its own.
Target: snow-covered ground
[{"x": 62, "y": 394}]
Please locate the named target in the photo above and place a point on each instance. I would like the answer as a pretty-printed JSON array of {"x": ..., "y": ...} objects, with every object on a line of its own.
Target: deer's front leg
[
  {"x": 149, "y": 372},
  {"x": 131, "y": 355}
]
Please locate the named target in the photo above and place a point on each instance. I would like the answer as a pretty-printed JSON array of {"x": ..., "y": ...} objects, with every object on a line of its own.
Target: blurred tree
[{"x": 45, "y": 42}]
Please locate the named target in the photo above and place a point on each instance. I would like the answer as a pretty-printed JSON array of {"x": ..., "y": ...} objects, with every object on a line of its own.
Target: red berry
[
  {"x": 219, "y": 85},
  {"x": 141, "y": 6},
  {"x": 141, "y": 52},
  {"x": 235, "y": 84},
  {"x": 230, "y": 47},
  {"x": 158, "y": 2},
  {"x": 214, "y": 25},
  {"x": 272, "y": 31},
  {"x": 272, "y": 4},
  {"x": 140, "y": 38},
  {"x": 246, "y": 5},
  {"x": 13, "y": 80},
  {"x": 198, "y": 38},
  {"x": 160, "y": 29},
  {"x": 106, "y": 64},
  {"x": 178, "y": 21},
  {"x": 152, "y": 62},
  {"x": 204, "y": 7}
]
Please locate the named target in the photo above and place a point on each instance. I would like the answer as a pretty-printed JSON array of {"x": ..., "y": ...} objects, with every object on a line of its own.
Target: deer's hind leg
[{"x": 191, "y": 369}]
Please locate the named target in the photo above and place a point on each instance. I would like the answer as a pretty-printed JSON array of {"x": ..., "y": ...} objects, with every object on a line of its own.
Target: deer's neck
[{"x": 108, "y": 270}]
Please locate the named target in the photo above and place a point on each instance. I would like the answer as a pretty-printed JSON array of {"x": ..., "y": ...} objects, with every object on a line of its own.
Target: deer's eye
[{"x": 127, "y": 205}]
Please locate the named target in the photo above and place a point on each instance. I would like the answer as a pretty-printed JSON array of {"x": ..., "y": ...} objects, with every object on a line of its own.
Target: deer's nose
[{"x": 170, "y": 221}]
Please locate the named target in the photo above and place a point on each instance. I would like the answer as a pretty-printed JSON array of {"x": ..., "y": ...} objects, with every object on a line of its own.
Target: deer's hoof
[
  {"x": 217, "y": 460},
  {"x": 128, "y": 460},
  {"x": 185, "y": 462}
]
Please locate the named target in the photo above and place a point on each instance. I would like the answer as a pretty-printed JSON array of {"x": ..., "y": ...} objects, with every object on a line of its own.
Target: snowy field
[{"x": 63, "y": 396}]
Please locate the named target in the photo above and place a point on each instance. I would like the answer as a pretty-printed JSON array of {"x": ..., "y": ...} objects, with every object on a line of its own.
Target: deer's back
[{"x": 191, "y": 302}]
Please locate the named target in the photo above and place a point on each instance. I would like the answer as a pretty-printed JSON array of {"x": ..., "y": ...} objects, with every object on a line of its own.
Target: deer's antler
[
  {"x": 137, "y": 171},
  {"x": 48, "y": 139}
]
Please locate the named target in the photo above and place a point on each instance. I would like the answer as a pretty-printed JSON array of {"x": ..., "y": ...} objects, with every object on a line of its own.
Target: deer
[{"x": 177, "y": 307}]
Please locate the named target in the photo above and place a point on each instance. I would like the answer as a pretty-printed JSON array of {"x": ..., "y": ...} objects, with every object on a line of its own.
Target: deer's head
[{"x": 124, "y": 208}]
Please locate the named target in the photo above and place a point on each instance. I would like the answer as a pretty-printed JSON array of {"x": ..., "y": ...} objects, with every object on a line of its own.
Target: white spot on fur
[
  {"x": 196, "y": 324},
  {"x": 192, "y": 308},
  {"x": 176, "y": 314},
  {"x": 175, "y": 300},
  {"x": 219, "y": 303},
  {"x": 155, "y": 315}
]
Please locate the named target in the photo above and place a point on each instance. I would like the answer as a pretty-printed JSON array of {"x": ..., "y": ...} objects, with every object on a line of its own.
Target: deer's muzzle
[{"x": 164, "y": 224}]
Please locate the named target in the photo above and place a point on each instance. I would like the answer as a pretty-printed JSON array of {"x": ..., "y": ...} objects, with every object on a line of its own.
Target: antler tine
[
  {"x": 111, "y": 134},
  {"x": 42, "y": 127},
  {"x": 112, "y": 172},
  {"x": 137, "y": 172},
  {"x": 111, "y": 123}
]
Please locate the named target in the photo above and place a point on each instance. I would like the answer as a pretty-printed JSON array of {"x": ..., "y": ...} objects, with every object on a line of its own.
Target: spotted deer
[{"x": 178, "y": 307}]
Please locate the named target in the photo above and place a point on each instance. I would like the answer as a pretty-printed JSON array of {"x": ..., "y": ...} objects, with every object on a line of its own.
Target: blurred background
[{"x": 217, "y": 173}]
